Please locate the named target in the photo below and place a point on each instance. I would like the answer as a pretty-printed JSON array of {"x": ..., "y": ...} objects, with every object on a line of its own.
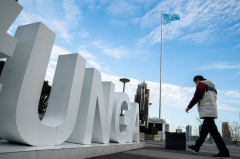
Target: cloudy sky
[{"x": 121, "y": 38}]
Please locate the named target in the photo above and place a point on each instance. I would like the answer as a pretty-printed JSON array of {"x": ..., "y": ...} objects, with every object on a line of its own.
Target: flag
[{"x": 167, "y": 18}]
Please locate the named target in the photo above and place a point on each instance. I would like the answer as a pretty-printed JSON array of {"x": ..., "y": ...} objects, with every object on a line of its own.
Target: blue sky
[{"x": 121, "y": 38}]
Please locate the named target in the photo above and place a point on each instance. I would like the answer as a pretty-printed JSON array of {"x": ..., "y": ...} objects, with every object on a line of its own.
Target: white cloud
[
  {"x": 236, "y": 46},
  {"x": 117, "y": 52},
  {"x": 227, "y": 108},
  {"x": 72, "y": 12},
  {"x": 87, "y": 55},
  {"x": 56, "y": 51},
  {"x": 203, "y": 20},
  {"x": 200, "y": 37},
  {"x": 128, "y": 8},
  {"x": 83, "y": 34},
  {"x": 94, "y": 64},
  {"x": 50, "y": 75},
  {"x": 220, "y": 66},
  {"x": 172, "y": 95},
  {"x": 10, "y": 32},
  {"x": 91, "y": 59},
  {"x": 227, "y": 99},
  {"x": 232, "y": 94},
  {"x": 47, "y": 11},
  {"x": 118, "y": 22},
  {"x": 121, "y": 7},
  {"x": 136, "y": 20},
  {"x": 95, "y": 4}
]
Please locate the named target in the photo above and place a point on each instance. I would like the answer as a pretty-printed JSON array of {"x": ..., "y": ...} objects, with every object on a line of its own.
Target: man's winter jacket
[{"x": 206, "y": 97}]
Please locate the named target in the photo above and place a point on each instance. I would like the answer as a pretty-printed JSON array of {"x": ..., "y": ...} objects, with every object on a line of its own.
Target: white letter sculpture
[
  {"x": 81, "y": 109},
  {"x": 95, "y": 110},
  {"x": 9, "y": 10},
  {"x": 133, "y": 114},
  {"x": 22, "y": 80},
  {"x": 120, "y": 124}
]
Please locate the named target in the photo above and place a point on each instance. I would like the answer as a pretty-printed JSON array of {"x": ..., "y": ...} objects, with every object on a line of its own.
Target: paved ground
[{"x": 156, "y": 150}]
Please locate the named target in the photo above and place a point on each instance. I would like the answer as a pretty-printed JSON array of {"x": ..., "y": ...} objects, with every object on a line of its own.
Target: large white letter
[
  {"x": 9, "y": 10},
  {"x": 120, "y": 124},
  {"x": 95, "y": 110},
  {"x": 133, "y": 114},
  {"x": 22, "y": 79}
]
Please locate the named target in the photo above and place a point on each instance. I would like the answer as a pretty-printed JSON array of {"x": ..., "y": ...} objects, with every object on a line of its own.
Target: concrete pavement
[{"x": 156, "y": 150}]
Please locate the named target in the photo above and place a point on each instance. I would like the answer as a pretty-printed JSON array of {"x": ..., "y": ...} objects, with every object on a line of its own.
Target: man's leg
[
  {"x": 203, "y": 135},
  {"x": 212, "y": 128}
]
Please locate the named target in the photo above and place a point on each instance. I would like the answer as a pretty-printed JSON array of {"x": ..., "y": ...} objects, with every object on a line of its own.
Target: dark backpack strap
[{"x": 210, "y": 89}]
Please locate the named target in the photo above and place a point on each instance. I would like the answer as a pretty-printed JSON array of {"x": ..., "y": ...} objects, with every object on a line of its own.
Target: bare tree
[
  {"x": 199, "y": 120},
  {"x": 196, "y": 131},
  {"x": 231, "y": 132},
  {"x": 235, "y": 130}
]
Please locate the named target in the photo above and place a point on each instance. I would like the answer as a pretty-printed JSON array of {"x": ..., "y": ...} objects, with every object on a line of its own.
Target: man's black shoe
[
  {"x": 221, "y": 155},
  {"x": 193, "y": 148}
]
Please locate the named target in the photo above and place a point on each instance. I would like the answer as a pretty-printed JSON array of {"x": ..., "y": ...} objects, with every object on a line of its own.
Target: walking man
[{"x": 206, "y": 97}]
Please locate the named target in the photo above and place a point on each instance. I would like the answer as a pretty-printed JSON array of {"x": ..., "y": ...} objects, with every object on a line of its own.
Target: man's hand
[{"x": 187, "y": 109}]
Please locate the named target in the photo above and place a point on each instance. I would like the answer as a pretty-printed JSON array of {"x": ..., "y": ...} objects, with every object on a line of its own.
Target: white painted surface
[
  {"x": 9, "y": 10},
  {"x": 22, "y": 80},
  {"x": 133, "y": 114},
  {"x": 63, "y": 151},
  {"x": 95, "y": 110},
  {"x": 120, "y": 124}
]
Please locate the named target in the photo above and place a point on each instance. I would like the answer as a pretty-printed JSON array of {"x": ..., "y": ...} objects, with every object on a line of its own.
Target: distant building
[
  {"x": 167, "y": 128},
  {"x": 226, "y": 130},
  {"x": 160, "y": 124},
  {"x": 178, "y": 130},
  {"x": 188, "y": 131}
]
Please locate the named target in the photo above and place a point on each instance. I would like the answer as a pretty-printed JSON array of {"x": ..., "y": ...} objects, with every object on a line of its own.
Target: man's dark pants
[{"x": 209, "y": 126}]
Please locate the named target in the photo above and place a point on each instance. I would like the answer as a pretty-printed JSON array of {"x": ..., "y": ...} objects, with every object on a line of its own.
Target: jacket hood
[{"x": 209, "y": 83}]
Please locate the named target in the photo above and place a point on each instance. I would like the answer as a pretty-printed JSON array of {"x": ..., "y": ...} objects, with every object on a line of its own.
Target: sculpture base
[
  {"x": 141, "y": 136},
  {"x": 152, "y": 137},
  {"x": 63, "y": 151}
]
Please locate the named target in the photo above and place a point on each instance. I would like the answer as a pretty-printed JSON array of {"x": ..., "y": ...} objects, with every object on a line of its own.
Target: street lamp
[{"x": 123, "y": 80}]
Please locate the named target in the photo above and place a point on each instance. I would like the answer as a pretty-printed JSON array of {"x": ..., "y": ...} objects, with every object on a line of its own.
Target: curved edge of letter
[
  {"x": 133, "y": 114},
  {"x": 120, "y": 124},
  {"x": 22, "y": 80}
]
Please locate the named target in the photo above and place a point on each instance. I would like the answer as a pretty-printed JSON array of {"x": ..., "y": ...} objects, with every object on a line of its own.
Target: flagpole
[{"x": 160, "y": 91}]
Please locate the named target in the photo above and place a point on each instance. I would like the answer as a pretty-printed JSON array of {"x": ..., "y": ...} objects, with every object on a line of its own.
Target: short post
[{"x": 123, "y": 80}]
